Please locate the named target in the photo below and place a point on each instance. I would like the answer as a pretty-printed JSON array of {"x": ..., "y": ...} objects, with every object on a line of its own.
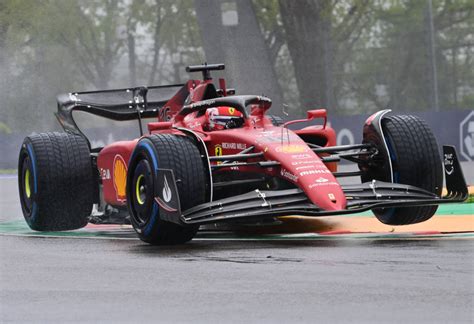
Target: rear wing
[{"x": 116, "y": 104}]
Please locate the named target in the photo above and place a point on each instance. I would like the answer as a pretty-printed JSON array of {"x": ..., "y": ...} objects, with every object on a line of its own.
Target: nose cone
[
  {"x": 324, "y": 192},
  {"x": 317, "y": 182},
  {"x": 300, "y": 165}
]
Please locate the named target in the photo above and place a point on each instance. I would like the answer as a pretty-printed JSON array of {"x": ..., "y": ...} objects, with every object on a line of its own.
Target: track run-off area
[
  {"x": 451, "y": 221},
  {"x": 301, "y": 270}
]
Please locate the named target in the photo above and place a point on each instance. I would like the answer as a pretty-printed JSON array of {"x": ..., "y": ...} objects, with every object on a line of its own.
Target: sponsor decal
[
  {"x": 165, "y": 113},
  {"x": 231, "y": 110},
  {"x": 306, "y": 162},
  {"x": 203, "y": 103},
  {"x": 265, "y": 134},
  {"x": 301, "y": 157},
  {"x": 326, "y": 184},
  {"x": 449, "y": 163},
  {"x": 305, "y": 167},
  {"x": 73, "y": 97},
  {"x": 104, "y": 174},
  {"x": 331, "y": 196},
  {"x": 292, "y": 148},
  {"x": 234, "y": 146},
  {"x": 319, "y": 171},
  {"x": 120, "y": 177},
  {"x": 274, "y": 137},
  {"x": 268, "y": 139},
  {"x": 466, "y": 129},
  {"x": 194, "y": 125},
  {"x": 167, "y": 195},
  {"x": 287, "y": 174},
  {"x": 218, "y": 150},
  {"x": 321, "y": 180}
]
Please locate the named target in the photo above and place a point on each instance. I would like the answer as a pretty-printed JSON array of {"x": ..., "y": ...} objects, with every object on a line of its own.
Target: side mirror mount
[{"x": 318, "y": 113}]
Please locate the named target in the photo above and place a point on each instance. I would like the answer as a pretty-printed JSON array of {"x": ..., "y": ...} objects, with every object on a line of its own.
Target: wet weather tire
[
  {"x": 56, "y": 182},
  {"x": 164, "y": 151},
  {"x": 416, "y": 161}
]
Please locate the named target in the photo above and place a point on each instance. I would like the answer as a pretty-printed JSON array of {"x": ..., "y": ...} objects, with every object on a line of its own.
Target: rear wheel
[
  {"x": 415, "y": 161},
  {"x": 164, "y": 151},
  {"x": 55, "y": 181}
]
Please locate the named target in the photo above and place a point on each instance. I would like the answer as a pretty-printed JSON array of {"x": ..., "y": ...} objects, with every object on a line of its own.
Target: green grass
[{"x": 8, "y": 171}]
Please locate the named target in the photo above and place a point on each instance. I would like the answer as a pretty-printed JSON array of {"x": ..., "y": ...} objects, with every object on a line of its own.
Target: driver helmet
[{"x": 220, "y": 118}]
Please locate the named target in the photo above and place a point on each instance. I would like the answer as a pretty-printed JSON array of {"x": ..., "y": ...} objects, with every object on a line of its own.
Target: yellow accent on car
[
  {"x": 137, "y": 190},
  {"x": 120, "y": 177},
  {"x": 218, "y": 150},
  {"x": 27, "y": 183}
]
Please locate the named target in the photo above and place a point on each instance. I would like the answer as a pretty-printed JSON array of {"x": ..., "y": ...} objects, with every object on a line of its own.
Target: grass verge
[{"x": 7, "y": 171}]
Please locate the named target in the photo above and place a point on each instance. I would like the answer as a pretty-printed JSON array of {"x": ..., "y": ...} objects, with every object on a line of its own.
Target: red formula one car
[{"x": 213, "y": 156}]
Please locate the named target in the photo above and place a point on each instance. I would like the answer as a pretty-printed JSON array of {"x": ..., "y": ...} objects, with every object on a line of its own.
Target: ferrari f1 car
[{"x": 212, "y": 156}]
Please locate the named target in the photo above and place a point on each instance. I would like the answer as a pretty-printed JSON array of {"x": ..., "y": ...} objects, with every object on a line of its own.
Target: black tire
[
  {"x": 55, "y": 181},
  {"x": 170, "y": 152},
  {"x": 416, "y": 161},
  {"x": 276, "y": 120}
]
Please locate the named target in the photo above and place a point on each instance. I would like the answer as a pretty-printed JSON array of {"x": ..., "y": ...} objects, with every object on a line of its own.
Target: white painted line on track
[{"x": 8, "y": 176}]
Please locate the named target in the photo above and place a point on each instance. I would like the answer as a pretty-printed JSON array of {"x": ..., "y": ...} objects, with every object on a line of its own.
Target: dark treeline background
[{"x": 351, "y": 57}]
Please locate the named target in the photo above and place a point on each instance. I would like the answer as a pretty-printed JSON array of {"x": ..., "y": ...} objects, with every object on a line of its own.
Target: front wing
[{"x": 360, "y": 197}]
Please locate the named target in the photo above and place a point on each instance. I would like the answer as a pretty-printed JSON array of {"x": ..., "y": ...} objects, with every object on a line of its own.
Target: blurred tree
[
  {"x": 353, "y": 56},
  {"x": 269, "y": 18},
  {"x": 94, "y": 34},
  {"x": 231, "y": 35},
  {"x": 30, "y": 71},
  {"x": 392, "y": 64},
  {"x": 133, "y": 17},
  {"x": 52, "y": 46},
  {"x": 319, "y": 35},
  {"x": 171, "y": 33}
]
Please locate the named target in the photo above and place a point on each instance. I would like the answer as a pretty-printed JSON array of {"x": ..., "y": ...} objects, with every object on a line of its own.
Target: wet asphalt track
[{"x": 364, "y": 280}]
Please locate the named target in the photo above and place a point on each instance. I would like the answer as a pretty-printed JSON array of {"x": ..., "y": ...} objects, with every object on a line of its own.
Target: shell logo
[
  {"x": 292, "y": 148},
  {"x": 120, "y": 177}
]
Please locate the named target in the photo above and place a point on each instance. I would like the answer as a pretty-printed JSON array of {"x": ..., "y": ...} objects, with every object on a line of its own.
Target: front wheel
[
  {"x": 164, "y": 151},
  {"x": 415, "y": 159}
]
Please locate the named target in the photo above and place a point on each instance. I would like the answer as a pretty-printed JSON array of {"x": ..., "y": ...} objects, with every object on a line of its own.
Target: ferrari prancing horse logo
[{"x": 218, "y": 150}]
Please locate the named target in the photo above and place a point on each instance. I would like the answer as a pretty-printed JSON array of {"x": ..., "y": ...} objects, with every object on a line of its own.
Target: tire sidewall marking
[
  {"x": 146, "y": 148},
  {"x": 34, "y": 208}
]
